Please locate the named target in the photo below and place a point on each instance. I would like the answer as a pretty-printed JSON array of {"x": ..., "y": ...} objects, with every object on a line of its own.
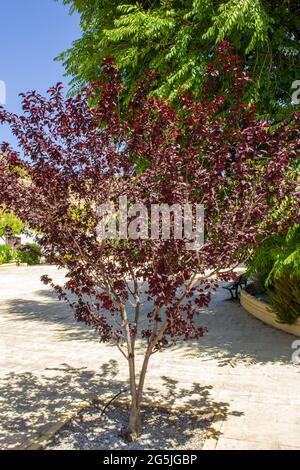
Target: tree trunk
[
  {"x": 134, "y": 427},
  {"x": 132, "y": 432}
]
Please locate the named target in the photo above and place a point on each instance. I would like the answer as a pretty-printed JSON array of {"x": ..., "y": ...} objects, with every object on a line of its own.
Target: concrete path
[{"x": 241, "y": 370}]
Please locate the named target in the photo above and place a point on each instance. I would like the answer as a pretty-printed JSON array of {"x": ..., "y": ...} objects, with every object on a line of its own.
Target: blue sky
[{"x": 32, "y": 33}]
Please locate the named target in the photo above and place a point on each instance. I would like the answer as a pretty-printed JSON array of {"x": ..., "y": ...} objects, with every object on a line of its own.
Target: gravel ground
[{"x": 161, "y": 430}]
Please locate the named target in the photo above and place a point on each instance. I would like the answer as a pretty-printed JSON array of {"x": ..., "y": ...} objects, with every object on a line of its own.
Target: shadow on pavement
[{"x": 29, "y": 403}]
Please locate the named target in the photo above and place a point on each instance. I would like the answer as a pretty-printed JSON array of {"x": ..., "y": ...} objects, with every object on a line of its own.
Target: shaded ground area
[
  {"x": 162, "y": 427},
  {"x": 241, "y": 369}
]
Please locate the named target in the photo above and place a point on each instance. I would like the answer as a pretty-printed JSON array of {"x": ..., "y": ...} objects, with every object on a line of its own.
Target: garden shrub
[
  {"x": 285, "y": 297},
  {"x": 29, "y": 253},
  {"x": 277, "y": 264},
  {"x": 283, "y": 282}
]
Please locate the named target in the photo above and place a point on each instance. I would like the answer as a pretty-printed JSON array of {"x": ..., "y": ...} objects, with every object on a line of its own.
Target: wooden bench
[{"x": 233, "y": 287}]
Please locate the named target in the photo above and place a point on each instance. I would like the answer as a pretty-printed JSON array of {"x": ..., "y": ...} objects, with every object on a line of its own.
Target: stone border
[
  {"x": 264, "y": 312},
  {"x": 45, "y": 436},
  {"x": 210, "y": 440},
  {"x": 8, "y": 265},
  {"x": 12, "y": 265}
]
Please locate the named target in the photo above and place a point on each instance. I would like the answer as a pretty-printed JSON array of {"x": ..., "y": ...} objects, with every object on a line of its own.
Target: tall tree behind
[{"x": 176, "y": 37}]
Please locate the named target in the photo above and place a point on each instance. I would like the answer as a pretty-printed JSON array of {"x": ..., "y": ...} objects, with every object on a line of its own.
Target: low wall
[
  {"x": 264, "y": 312},
  {"x": 12, "y": 265}
]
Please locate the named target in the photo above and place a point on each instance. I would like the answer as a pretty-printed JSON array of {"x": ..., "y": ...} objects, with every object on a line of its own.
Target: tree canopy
[{"x": 176, "y": 37}]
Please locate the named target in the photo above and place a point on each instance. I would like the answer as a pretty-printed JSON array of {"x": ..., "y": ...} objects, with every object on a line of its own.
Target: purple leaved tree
[{"x": 81, "y": 153}]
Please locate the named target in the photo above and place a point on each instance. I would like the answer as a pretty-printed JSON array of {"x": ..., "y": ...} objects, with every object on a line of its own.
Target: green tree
[
  {"x": 10, "y": 224},
  {"x": 176, "y": 37}
]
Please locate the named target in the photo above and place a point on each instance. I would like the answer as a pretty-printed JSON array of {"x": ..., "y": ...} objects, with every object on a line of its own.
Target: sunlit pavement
[{"x": 242, "y": 369}]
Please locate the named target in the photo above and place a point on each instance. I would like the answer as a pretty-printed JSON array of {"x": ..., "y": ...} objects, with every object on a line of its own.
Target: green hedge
[{"x": 29, "y": 253}]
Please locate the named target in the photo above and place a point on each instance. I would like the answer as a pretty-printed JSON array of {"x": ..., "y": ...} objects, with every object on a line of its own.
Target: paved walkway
[{"x": 242, "y": 369}]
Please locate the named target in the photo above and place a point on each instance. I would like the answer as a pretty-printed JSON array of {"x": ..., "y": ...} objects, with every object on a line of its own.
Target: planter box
[{"x": 264, "y": 312}]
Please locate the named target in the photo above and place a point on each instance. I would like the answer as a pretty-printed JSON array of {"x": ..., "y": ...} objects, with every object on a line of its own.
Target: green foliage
[
  {"x": 264, "y": 258},
  {"x": 283, "y": 282},
  {"x": 277, "y": 263},
  {"x": 285, "y": 297},
  {"x": 176, "y": 37},
  {"x": 29, "y": 253},
  {"x": 287, "y": 257},
  {"x": 6, "y": 254},
  {"x": 9, "y": 223}
]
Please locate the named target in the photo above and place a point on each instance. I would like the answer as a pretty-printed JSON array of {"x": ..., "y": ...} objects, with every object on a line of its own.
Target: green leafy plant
[
  {"x": 29, "y": 253},
  {"x": 283, "y": 282},
  {"x": 277, "y": 264},
  {"x": 285, "y": 296},
  {"x": 6, "y": 254}
]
